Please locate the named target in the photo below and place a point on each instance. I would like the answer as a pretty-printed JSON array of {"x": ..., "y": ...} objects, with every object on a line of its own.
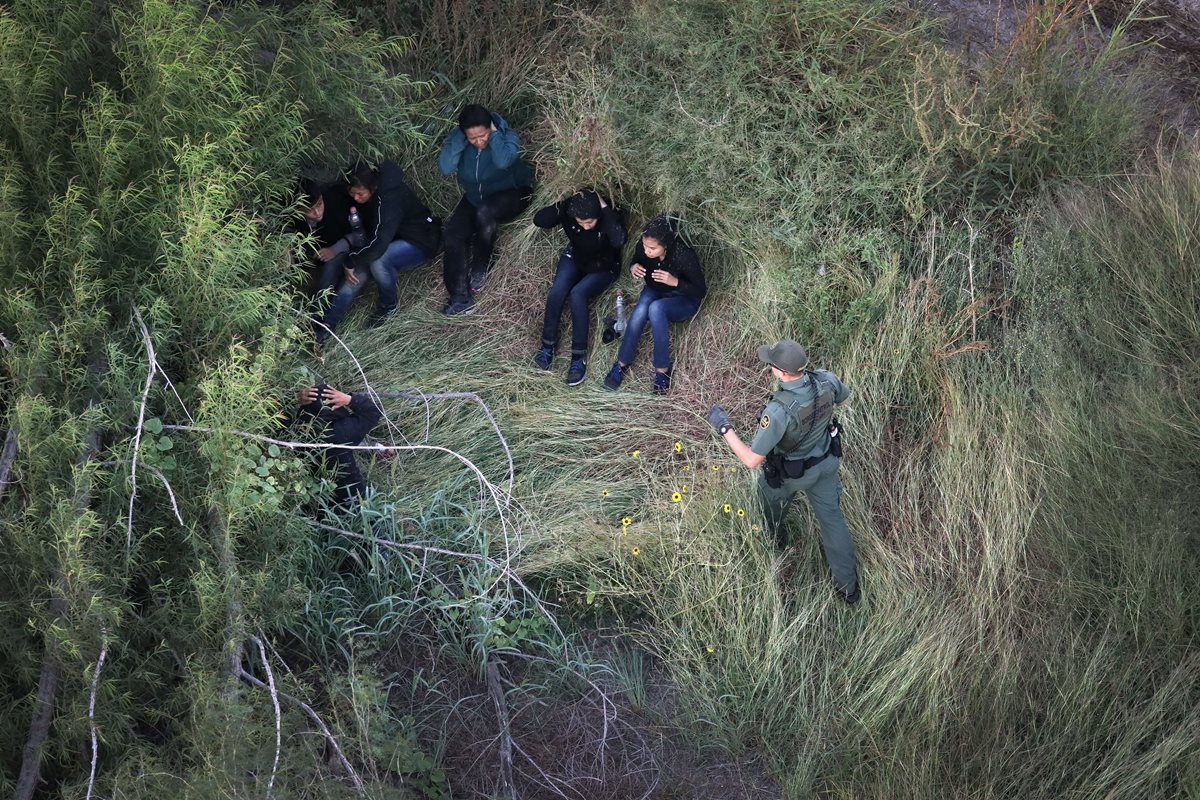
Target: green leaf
[
  {"x": 273, "y": 450},
  {"x": 264, "y": 471},
  {"x": 165, "y": 444},
  {"x": 154, "y": 425}
]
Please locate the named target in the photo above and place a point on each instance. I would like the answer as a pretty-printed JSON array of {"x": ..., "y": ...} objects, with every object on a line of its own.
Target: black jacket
[
  {"x": 395, "y": 212},
  {"x": 334, "y": 225},
  {"x": 597, "y": 250},
  {"x": 342, "y": 426},
  {"x": 680, "y": 261}
]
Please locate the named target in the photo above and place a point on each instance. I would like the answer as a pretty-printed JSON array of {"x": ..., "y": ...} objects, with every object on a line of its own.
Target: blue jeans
[
  {"x": 578, "y": 288},
  {"x": 660, "y": 310},
  {"x": 400, "y": 255}
]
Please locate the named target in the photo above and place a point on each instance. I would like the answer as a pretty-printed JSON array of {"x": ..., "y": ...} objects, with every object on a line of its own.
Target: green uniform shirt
[{"x": 796, "y": 419}]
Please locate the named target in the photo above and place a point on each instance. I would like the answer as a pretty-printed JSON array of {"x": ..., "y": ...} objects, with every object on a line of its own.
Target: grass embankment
[{"x": 1020, "y": 473}]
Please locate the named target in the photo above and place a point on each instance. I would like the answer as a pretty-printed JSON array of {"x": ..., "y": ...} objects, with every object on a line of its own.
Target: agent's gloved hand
[{"x": 718, "y": 418}]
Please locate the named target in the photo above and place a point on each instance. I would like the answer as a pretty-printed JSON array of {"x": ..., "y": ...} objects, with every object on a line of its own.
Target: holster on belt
[{"x": 773, "y": 470}]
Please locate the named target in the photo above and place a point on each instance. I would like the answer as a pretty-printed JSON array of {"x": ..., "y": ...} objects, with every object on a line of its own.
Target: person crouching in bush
[
  {"x": 674, "y": 288},
  {"x": 496, "y": 185},
  {"x": 590, "y": 263},
  {"x": 324, "y": 217},
  {"x": 339, "y": 418}
]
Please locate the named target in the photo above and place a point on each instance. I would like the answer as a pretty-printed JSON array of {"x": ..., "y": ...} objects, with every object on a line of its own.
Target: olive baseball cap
[{"x": 784, "y": 354}]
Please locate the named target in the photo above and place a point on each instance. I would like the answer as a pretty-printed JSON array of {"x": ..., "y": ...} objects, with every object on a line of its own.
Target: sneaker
[
  {"x": 459, "y": 307},
  {"x": 478, "y": 280},
  {"x": 615, "y": 375},
  {"x": 662, "y": 382},
  {"x": 381, "y": 316},
  {"x": 577, "y": 372},
  {"x": 851, "y": 598},
  {"x": 544, "y": 357}
]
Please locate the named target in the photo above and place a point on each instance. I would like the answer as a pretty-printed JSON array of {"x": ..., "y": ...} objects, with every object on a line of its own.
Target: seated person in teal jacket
[{"x": 497, "y": 186}]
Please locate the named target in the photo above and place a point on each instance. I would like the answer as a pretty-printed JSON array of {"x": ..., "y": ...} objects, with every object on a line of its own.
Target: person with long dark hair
[
  {"x": 673, "y": 292},
  {"x": 485, "y": 153},
  {"x": 595, "y": 234}
]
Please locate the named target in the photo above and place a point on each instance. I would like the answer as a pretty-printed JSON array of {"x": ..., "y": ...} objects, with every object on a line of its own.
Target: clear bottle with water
[
  {"x": 357, "y": 234},
  {"x": 619, "y": 325}
]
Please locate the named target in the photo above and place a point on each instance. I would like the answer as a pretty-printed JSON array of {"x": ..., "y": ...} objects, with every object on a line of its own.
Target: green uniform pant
[{"x": 824, "y": 489}]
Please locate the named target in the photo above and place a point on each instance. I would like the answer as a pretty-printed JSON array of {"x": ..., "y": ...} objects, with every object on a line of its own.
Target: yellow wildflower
[
  {"x": 741, "y": 512},
  {"x": 679, "y": 447},
  {"x": 684, "y": 488},
  {"x": 636, "y": 550},
  {"x": 676, "y": 497},
  {"x": 626, "y": 521},
  {"x": 687, "y": 467},
  {"x": 716, "y": 467},
  {"x": 604, "y": 493},
  {"x": 728, "y": 508},
  {"x": 636, "y": 453},
  {"x": 711, "y": 649}
]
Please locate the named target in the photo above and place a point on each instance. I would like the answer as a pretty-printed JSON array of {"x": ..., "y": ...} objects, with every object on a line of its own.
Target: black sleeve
[
  {"x": 550, "y": 216},
  {"x": 612, "y": 224},
  {"x": 687, "y": 269},
  {"x": 354, "y": 421},
  {"x": 388, "y": 216},
  {"x": 365, "y": 407},
  {"x": 336, "y": 223}
]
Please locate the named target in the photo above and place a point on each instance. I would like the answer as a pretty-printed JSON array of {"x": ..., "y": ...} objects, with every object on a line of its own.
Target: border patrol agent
[{"x": 797, "y": 445}]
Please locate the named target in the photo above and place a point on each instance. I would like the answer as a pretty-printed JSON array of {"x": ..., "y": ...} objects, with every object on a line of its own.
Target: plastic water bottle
[
  {"x": 619, "y": 325},
  {"x": 357, "y": 234}
]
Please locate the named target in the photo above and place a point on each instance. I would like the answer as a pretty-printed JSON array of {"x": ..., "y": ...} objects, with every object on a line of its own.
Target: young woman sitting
[
  {"x": 674, "y": 288},
  {"x": 590, "y": 263}
]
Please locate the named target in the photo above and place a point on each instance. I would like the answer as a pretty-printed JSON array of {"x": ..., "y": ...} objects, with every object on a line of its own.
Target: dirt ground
[{"x": 1167, "y": 60}]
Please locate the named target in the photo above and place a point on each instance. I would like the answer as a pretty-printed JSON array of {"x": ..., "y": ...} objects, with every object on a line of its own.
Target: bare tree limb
[
  {"x": 156, "y": 472},
  {"x": 507, "y": 789},
  {"x": 418, "y": 395},
  {"x": 7, "y": 457},
  {"x": 92, "y": 708},
  {"x": 151, "y": 368},
  {"x": 308, "y": 710},
  {"x": 43, "y": 710},
  {"x": 262, "y": 652},
  {"x": 47, "y": 690},
  {"x": 505, "y": 571}
]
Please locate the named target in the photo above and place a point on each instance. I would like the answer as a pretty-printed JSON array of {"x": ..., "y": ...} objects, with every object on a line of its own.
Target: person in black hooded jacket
[
  {"x": 674, "y": 288},
  {"x": 589, "y": 265},
  {"x": 324, "y": 218},
  {"x": 399, "y": 232}
]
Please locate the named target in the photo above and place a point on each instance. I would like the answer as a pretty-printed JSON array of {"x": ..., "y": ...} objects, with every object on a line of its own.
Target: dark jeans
[
  {"x": 660, "y": 310},
  {"x": 579, "y": 288},
  {"x": 399, "y": 255},
  {"x": 346, "y": 429},
  {"x": 470, "y": 236}
]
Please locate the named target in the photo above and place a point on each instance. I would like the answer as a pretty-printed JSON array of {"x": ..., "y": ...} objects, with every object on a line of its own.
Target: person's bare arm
[{"x": 742, "y": 450}]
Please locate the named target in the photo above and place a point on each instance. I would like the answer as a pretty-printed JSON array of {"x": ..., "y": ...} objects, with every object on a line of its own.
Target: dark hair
[
  {"x": 362, "y": 175},
  {"x": 310, "y": 192},
  {"x": 663, "y": 228},
  {"x": 584, "y": 204},
  {"x": 473, "y": 116}
]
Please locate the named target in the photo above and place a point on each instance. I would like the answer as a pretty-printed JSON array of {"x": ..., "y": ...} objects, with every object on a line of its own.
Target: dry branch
[
  {"x": 47, "y": 691},
  {"x": 7, "y": 456},
  {"x": 151, "y": 368},
  {"x": 92, "y": 709},
  {"x": 316, "y": 718},
  {"x": 507, "y": 788}
]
